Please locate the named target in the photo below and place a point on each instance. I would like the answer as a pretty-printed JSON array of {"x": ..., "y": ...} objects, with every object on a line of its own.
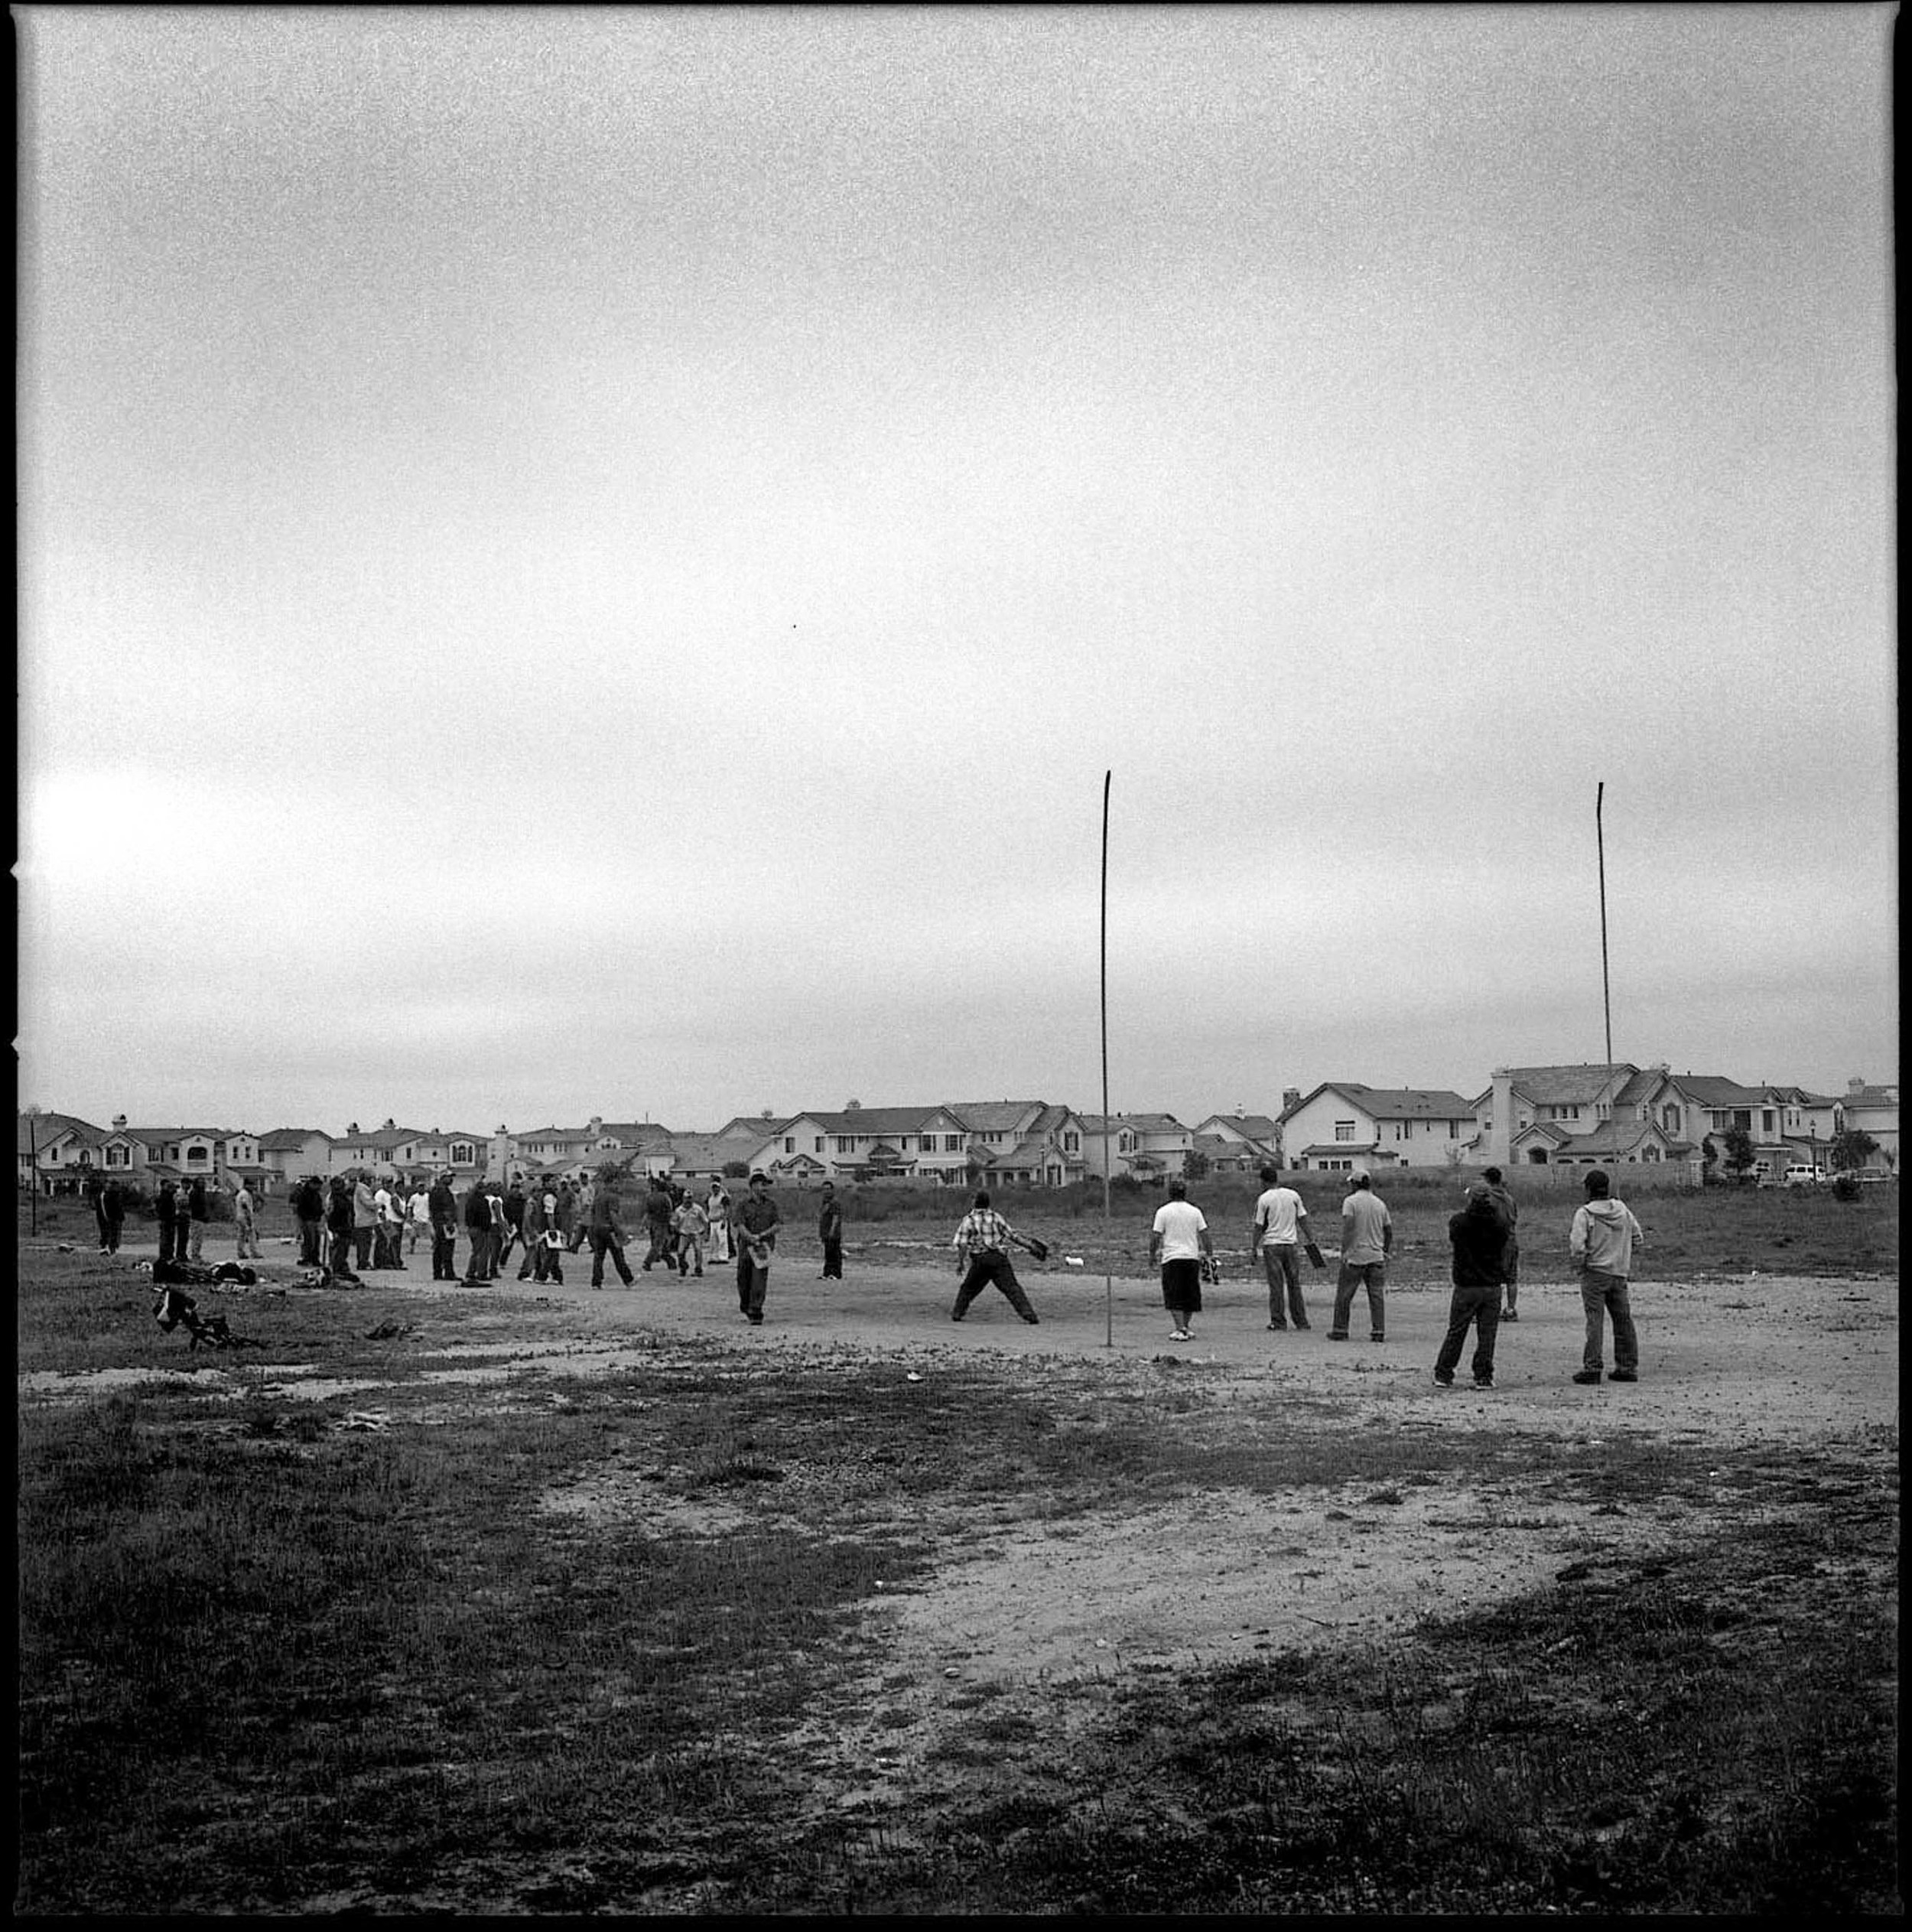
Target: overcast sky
[{"x": 590, "y": 562}]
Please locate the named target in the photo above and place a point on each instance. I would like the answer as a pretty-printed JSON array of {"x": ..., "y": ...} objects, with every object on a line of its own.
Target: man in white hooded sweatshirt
[{"x": 1602, "y": 1244}]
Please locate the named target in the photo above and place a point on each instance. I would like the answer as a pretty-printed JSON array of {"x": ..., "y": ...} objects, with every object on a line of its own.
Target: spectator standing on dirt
[
  {"x": 830, "y": 1232},
  {"x": 198, "y": 1213},
  {"x": 477, "y": 1219},
  {"x": 494, "y": 1201},
  {"x": 1178, "y": 1244},
  {"x": 1478, "y": 1236},
  {"x": 1280, "y": 1232},
  {"x": 607, "y": 1233},
  {"x": 717, "y": 1206},
  {"x": 244, "y": 1223},
  {"x": 515, "y": 1204},
  {"x": 545, "y": 1255},
  {"x": 587, "y": 1198},
  {"x": 754, "y": 1230},
  {"x": 113, "y": 1213},
  {"x": 308, "y": 1204},
  {"x": 172, "y": 1245},
  {"x": 418, "y": 1216},
  {"x": 390, "y": 1204},
  {"x": 1602, "y": 1241},
  {"x": 444, "y": 1204},
  {"x": 657, "y": 1223},
  {"x": 97, "y": 1198},
  {"x": 568, "y": 1213},
  {"x": 364, "y": 1216},
  {"x": 1367, "y": 1239},
  {"x": 340, "y": 1224},
  {"x": 1510, "y": 1262},
  {"x": 982, "y": 1243},
  {"x": 689, "y": 1224}
]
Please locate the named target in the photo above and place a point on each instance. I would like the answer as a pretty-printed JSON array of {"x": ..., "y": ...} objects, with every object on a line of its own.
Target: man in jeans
[
  {"x": 1478, "y": 1234},
  {"x": 1367, "y": 1239},
  {"x": 1601, "y": 1243},
  {"x": 1281, "y": 1232}
]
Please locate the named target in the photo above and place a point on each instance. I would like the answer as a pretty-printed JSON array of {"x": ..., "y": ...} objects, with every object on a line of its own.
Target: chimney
[
  {"x": 390, "y": 1125},
  {"x": 1856, "y": 1084},
  {"x": 119, "y": 1123},
  {"x": 1500, "y": 1137},
  {"x": 596, "y": 1126},
  {"x": 1290, "y": 1097}
]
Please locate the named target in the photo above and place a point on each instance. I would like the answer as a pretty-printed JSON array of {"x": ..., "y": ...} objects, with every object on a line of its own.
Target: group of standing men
[{"x": 1484, "y": 1237}]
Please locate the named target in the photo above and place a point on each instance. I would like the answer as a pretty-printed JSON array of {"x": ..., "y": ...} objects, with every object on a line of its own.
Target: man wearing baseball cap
[
  {"x": 1367, "y": 1239},
  {"x": 1478, "y": 1235}
]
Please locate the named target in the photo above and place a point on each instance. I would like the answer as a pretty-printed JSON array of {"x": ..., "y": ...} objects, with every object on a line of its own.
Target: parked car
[{"x": 1800, "y": 1174}]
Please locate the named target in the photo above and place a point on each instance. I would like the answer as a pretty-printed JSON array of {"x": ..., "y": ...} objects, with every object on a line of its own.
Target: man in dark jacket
[
  {"x": 830, "y": 1233},
  {"x": 112, "y": 1215},
  {"x": 1511, "y": 1261},
  {"x": 172, "y": 1245},
  {"x": 198, "y": 1212},
  {"x": 308, "y": 1203},
  {"x": 1478, "y": 1234},
  {"x": 657, "y": 1223},
  {"x": 339, "y": 1222},
  {"x": 478, "y": 1232},
  {"x": 443, "y": 1204},
  {"x": 607, "y": 1233}
]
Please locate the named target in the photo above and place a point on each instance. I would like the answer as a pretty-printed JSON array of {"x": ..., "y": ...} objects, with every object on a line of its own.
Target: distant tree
[
  {"x": 1738, "y": 1144},
  {"x": 737, "y": 1170},
  {"x": 1194, "y": 1166},
  {"x": 1708, "y": 1157},
  {"x": 852, "y": 1106},
  {"x": 1852, "y": 1147}
]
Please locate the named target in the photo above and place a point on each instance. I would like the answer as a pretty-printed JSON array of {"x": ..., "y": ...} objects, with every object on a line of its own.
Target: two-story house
[
  {"x": 1342, "y": 1124},
  {"x": 1584, "y": 1115},
  {"x": 1238, "y": 1142},
  {"x": 391, "y": 1151},
  {"x": 160, "y": 1153},
  {"x": 288, "y": 1154},
  {"x": 57, "y": 1151},
  {"x": 1150, "y": 1147},
  {"x": 1873, "y": 1107},
  {"x": 1049, "y": 1149}
]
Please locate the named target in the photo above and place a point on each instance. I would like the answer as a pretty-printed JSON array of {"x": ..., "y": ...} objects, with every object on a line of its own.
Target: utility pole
[
  {"x": 1108, "y": 1235},
  {"x": 1600, "y": 840}
]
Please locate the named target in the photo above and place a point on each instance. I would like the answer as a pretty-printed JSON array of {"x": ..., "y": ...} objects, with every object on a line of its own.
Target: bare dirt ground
[{"x": 1769, "y": 1358}]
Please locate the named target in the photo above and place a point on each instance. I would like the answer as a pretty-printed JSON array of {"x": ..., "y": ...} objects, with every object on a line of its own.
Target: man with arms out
[
  {"x": 982, "y": 1243},
  {"x": 830, "y": 1232},
  {"x": 1280, "y": 1232},
  {"x": 1177, "y": 1243},
  {"x": 756, "y": 1231},
  {"x": 1478, "y": 1236},
  {"x": 1510, "y": 1261},
  {"x": 607, "y": 1233},
  {"x": 1367, "y": 1239},
  {"x": 1601, "y": 1242}
]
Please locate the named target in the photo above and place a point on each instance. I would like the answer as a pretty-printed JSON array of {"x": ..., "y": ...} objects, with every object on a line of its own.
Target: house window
[
  {"x": 789, "y": 1143},
  {"x": 1344, "y": 1130},
  {"x": 1069, "y": 1143},
  {"x": 117, "y": 1157},
  {"x": 462, "y": 1153},
  {"x": 952, "y": 1143},
  {"x": 195, "y": 1156},
  {"x": 818, "y": 1148},
  {"x": 1766, "y": 1120},
  {"x": 846, "y": 1144}
]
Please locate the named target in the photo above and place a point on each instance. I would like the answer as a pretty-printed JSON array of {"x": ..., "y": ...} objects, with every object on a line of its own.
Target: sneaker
[
  {"x": 1337, "y": 1334},
  {"x": 1301, "y": 1325},
  {"x": 1484, "y": 1381},
  {"x": 1621, "y": 1375},
  {"x": 955, "y": 1318},
  {"x": 1277, "y": 1328},
  {"x": 1587, "y": 1375},
  {"x": 1377, "y": 1337},
  {"x": 1178, "y": 1334},
  {"x": 1443, "y": 1380},
  {"x": 1034, "y": 1320}
]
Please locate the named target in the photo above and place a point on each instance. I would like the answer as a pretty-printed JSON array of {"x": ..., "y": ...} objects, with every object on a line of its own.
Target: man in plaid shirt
[{"x": 982, "y": 1252}]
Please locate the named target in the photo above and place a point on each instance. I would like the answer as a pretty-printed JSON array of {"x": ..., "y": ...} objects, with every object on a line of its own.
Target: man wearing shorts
[{"x": 1177, "y": 1243}]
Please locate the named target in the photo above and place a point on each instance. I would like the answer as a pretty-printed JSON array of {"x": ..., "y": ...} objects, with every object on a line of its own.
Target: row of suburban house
[{"x": 1559, "y": 1116}]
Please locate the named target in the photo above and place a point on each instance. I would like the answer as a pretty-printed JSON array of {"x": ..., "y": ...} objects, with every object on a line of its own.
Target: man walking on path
[
  {"x": 1367, "y": 1239},
  {"x": 982, "y": 1243},
  {"x": 830, "y": 1232},
  {"x": 688, "y": 1224},
  {"x": 1178, "y": 1243},
  {"x": 757, "y": 1222},
  {"x": 1280, "y": 1232},
  {"x": 1510, "y": 1261},
  {"x": 607, "y": 1234},
  {"x": 1478, "y": 1235},
  {"x": 1601, "y": 1242}
]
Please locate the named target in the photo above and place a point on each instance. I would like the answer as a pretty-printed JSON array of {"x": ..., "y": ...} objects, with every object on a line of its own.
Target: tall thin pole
[
  {"x": 1108, "y": 1234},
  {"x": 1600, "y": 840},
  {"x": 33, "y": 1145}
]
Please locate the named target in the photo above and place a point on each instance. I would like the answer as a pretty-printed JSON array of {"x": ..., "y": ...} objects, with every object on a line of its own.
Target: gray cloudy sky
[{"x": 594, "y": 562}]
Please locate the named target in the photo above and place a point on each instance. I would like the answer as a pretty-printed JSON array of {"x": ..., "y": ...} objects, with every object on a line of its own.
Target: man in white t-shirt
[
  {"x": 417, "y": 1216},
  {"x": 1178, "y": 1241},
  {"x": 1281, "y": 1231}
]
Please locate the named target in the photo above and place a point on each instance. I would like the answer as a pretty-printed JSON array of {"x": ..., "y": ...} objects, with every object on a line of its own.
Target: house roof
[
  {"x": 879, "y": 1120},
  {"x": 742, "y": 1126},
  {"x": 150, "y": 1134},
  {"x": 1715, "y": 1090},
  {"x": 993, "y": 1116},
  {"x": 1609, "y": 1137},
  {"x": 1880, "y": 1095},
  {"x": 1391, "y": 1103},
  {"x": 282, "y": 1139},
  {"x": 1253, "y": 1126},
  {"x": 385, "y": 1139},
  {"x": 46, "y": 1128},
  {"x": 1140, "y": 1123},
  {"x": 1566, "y": 1086}
]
